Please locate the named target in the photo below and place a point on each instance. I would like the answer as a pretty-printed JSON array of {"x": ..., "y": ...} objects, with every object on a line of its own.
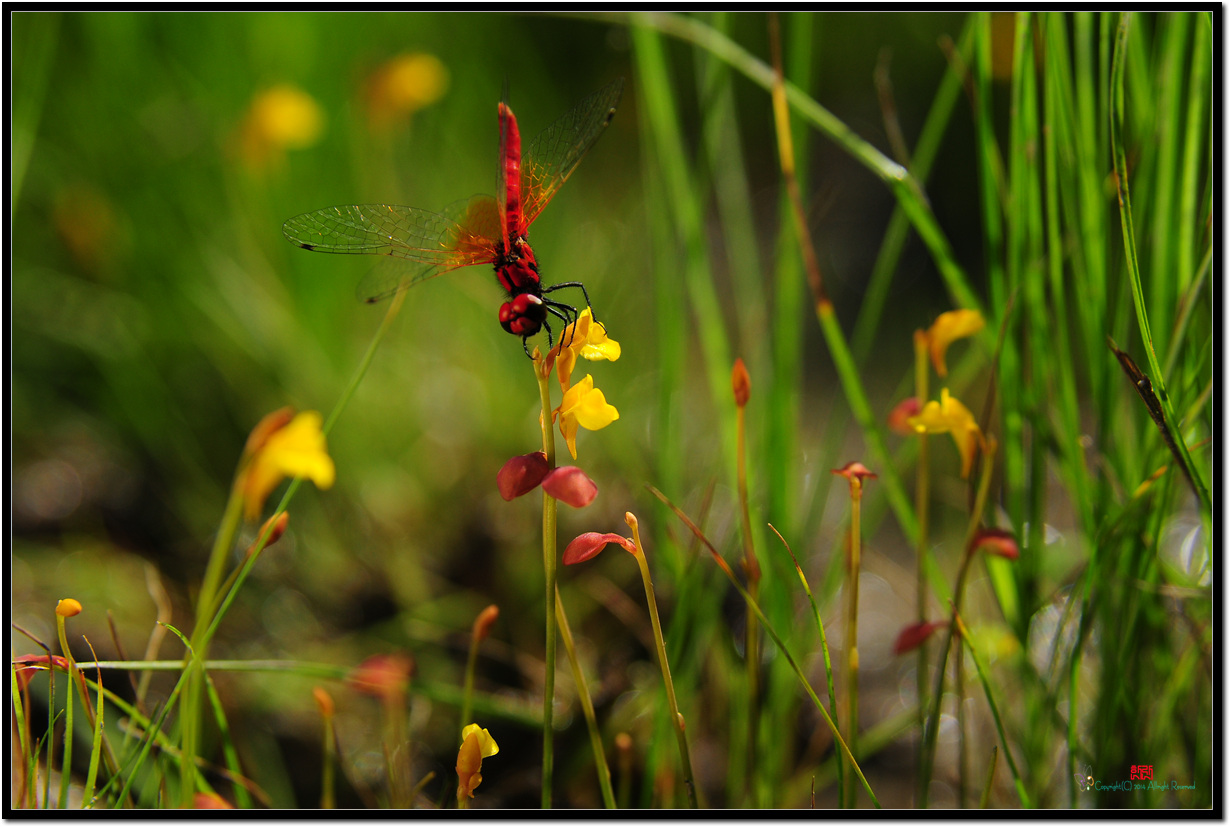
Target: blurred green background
[{"x": 158, "y": 314}]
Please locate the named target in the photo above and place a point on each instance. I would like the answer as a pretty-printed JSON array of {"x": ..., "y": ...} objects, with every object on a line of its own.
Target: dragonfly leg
[
  {"x": 565, "y": 312},
  {"x": 584, "y": 293}
]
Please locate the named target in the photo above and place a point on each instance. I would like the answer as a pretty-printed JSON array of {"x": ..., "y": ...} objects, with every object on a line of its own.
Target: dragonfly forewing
[{"x": 461, "y": 235}]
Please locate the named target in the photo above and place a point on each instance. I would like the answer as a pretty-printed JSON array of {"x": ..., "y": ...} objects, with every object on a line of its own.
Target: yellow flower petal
[
  {"x": 583, "y": 406},
  {"x": 584, "y": 338},
  {"x": 950, "y": 416},
  {"x": 295, "y": 450},
  {"x": 948, "y": 327},
  {"x": 476, "y": 744},
  {"x": 486, "y": 743}
]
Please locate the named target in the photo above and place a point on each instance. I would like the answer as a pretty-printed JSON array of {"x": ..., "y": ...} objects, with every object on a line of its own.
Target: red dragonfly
[{"x": 482, "y": 230}]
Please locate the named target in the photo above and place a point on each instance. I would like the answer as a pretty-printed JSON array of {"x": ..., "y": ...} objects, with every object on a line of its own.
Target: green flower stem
[
  {"x": 467, "y": 701},
  {"x": 751, "y": 568},
  {"x": 235, "y": 504},
  {"x": 677, "y": 722},
  {"x": 68, "y": 714},
  {"x": 190, "y": 708},
  {"x": 922, "y": 508},
  {"x": 856, "y": 497},
  {"x": 542, "y": 374},
  {"x": 933, "y": 719},
  {"x": 587, "y": 704},
  {"x": 326, "y": 781}
]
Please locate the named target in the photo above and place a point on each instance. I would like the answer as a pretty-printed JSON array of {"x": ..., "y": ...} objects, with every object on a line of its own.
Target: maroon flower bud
[
  {"x": 855, "y": 470},
  {"x": 915, "y": 635},
  {"x": 740, "y": 383},
  {"x": 571, "y": 485},
  {"x": 590, "y": 544},
  {"x": 996, "y": 541},
  {"x": 521, "y": 475}
]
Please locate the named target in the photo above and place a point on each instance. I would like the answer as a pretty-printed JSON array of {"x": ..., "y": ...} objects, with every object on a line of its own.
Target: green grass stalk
[
  {"x": 828, "y": 663},
  {"x": 771, "y": 632},
  {"x": 999, "y": 724},
  {"x": 1119, "y": 154},
  {"x": 937, "y": 695},
  {"x": 587, "y": 705}
]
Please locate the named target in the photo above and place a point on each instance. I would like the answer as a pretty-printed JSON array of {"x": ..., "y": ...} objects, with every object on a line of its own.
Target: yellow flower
[
  {"x": 296, "y": 449},
  {"x": 403, "y": 85},
  {"x": 583, "y": 406},
  {"x": 281, "y": 118},
  {"x": 950, "y": 416},
  {"x": 585, "y": 338},
  {"x": 948, "y": 327},
  {"x": 476, "y": 744}
]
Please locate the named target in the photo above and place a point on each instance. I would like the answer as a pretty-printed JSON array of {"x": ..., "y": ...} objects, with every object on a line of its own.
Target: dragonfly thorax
[
  {"x": 524, "y": 313},
  {"x": 518, "y": 270}
]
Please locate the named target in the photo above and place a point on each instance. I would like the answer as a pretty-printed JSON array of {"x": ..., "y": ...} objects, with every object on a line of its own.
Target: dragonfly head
[{"x": 523, "y": 315}]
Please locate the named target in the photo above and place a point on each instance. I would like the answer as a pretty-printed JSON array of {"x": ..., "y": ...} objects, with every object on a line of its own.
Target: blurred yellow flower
[
  {"x": 948, "y": 327},
  {"x": 295, "y": 449},
  {"x": 585, "y": 338},
  {"x": 476, "y": 744},
  {"x": 280, "y": 118},
  {"x": 403, "y": 85},
  {"x": 583, "y": 406},
  {"x": 950, "y": 416}
]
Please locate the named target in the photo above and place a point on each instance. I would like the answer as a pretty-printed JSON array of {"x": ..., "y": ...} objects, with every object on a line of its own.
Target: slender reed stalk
[{"x": 677, "y": 722}]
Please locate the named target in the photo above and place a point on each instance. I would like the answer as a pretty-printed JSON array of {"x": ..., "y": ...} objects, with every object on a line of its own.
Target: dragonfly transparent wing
[
  {"x": 462, "y": 234},
  {"x": 556, "y": 151}
]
